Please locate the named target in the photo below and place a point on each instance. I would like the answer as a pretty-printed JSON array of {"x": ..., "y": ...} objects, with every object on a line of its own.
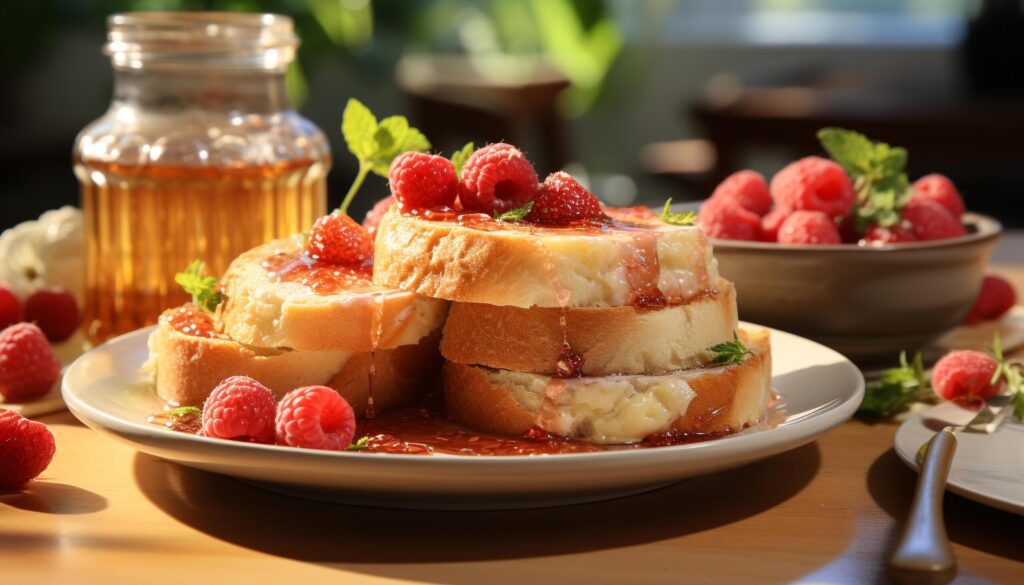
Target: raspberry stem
[{"x": 364, "y": 169}]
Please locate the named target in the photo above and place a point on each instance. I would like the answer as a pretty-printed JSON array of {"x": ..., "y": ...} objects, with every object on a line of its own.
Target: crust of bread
[
  {"x": 263, "y": 312},
  {"x": 611, "y": 340},
  {"x": 528, "y": 266},
  {"x": 187, "y": 368},
  {"x": 727, "y": 398}
]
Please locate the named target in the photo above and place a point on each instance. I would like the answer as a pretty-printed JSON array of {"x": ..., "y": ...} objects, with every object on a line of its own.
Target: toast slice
[
  {"x": 614, "y": 409},
  {"x": 277, "y": 299},
  {"x": 473, "y": 258},
  {"x": 611, "y": 340},
  {"x": 188, "y": 365}
]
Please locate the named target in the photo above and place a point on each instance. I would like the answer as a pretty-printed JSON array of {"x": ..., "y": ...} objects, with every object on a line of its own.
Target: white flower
[{"x": 46, "y": 252}]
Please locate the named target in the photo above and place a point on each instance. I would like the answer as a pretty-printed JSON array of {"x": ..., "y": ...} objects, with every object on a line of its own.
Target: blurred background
[{"x": 644, "y": 99}]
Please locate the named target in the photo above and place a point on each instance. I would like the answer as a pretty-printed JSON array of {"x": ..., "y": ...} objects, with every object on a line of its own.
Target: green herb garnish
[
  {"x": 1011, "y": 372},
  {"x": 672, "y": 218},
  {"x": 375, "y": 144},
  {"x": 360, "y": 444},
  {"x": 203, "y": 289},
  {"x": 184, "y": 413},
  {"x": 896, "y": 389},
  {"x": 515, "y": 214},
  {"x": 459, "y": 157},
  {"x": 878, "y": 172},
  {"x": 729, "y": 352}
]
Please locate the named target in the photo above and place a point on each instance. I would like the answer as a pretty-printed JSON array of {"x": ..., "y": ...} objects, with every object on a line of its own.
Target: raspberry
[
  {"x": 562, "y": 200},
  {"x": 337, "y": 238},
  {"x": 498, "y": 178},
  {"x": 726, "y": 220},
  {"x": 748, "y": 189},
  {"x": 26, "y": 449},
  {"x": 423, "y": 181},
  {"x": 28, "y": 366},
  {"x": 240, "y": 409},
  {"x": 814, "y": 184},
  {"x": 994, "y": 300},
  {"x": 931, "y": 221},
  {"x": 55, "y": 311},
  {"x": 10, "y": 308},
  {"x": 373, "y": 217},
  {"x": 809, "y": 227},
  {"x": 941, "y": 190},
  {"x": 897, "y": 234},
  {"x": 770, "y": 223},
  {"x": 848, "y": 230},
  {"x": 315, "y": 417},
  {"x": 964, "y": 376}
]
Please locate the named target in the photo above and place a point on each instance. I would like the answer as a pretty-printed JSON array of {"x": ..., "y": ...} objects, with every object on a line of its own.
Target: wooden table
[{"x": 827, "y": 512}]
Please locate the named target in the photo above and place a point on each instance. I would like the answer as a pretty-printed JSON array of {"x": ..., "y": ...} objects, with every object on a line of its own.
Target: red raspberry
[
  {"x": 498, "y": 178},
  {"x": 964, "y": 376},
  {"x": 562, "y": 200},
  {"x": 809, "y": 227},
  {"x": 373, "y": 217},
  {"x": 897, "y": 234},
  {"x": 337, "y": 238},
  {"x": 995, "y": 299},
  {"x": 10, "y": 308},
  {"x": 240, "y": 409},
  {"x": 726, "y": 220},
  {"x": 748, "y": 189},
  {"x": 28, "y": 366},
  {"x": 931, "y": 221},
  {"x": 315, "y": 417},
  {"x": 941, "y": 190},
  {"x": 423, "y": 181},
  {"x": 26, "y": 449},
  {"x": 55, "y": 311},
  {"x": 814, "y": 184},
  {"x": 770, "y": 223}
]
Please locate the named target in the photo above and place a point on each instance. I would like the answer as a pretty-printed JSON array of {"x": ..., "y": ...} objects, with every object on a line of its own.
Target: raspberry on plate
[
  {"x": 809, "y": 227},
  {"x": 423, "y": 181},
  {"x": 932, "y": 221},
  {"x": 897, "y": 234},
  {"x": 240, "y": 409},
  {"x": 562, "y": 200},
  {"x": 373, "y": 217},
  {"x": 10, "y": 308},
  {"x": 941, "y": 190},
  {"x": 995, "y": 299},
  {"x": 964, "y": 376},
  {"x": 726, "y": 220},
  {"x": 315, "y": 417},
  {"x": 337, "y": 238},
  {"x": 814, "y": 184},
  {"x": 28, "y": 366},
  {"x": 498, "y": 178},
  {"x": 748, "y": 189},
  {"x": 26, "y": 449},
  {"x": 771, "y": 222},
  {"x": 55, "y": 311}
]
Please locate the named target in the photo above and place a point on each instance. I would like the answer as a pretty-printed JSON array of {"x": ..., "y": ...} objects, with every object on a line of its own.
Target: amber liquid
[{"x": 143, "y": 224}]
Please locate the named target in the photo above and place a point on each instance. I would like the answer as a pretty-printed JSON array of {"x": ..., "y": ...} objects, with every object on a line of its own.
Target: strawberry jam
[
  {"x": 323, "y": 277},
  {"x": 190, "y": 320}
]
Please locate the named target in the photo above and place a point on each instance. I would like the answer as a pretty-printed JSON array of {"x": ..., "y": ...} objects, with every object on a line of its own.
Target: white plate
[
  {"x": 986, "y": 468},
  {"x": 819, "y": 388}
]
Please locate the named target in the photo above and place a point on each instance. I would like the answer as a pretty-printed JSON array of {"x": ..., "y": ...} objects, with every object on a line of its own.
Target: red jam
[
  {"x": 569, "y": 364},
  {"x": 190, "y": 320},
  {"x": 323, "y": 277}
]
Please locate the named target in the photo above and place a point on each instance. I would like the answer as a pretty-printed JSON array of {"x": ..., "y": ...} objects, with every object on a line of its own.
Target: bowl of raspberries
[{"x": 848, "y": 251}]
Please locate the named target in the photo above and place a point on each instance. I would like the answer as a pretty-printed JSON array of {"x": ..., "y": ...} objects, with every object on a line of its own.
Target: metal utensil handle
[{"x": 923, "y": 554}]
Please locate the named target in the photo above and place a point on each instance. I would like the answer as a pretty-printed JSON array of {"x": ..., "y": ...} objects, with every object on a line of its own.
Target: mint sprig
[
  {"x": 673, "y": 218},
  {"x": 729, "y": 352},
  {"x": 184, "y": 413},
  {"x": 896, "y": 388},
  {"x": 515, "y": 214},
  {"x": 459, "y": 157},
  {"x": 375, "y": 144},
  {"x": 203, "y": 289},
  {"x": 360, "y": 444},
  {"x": 1012, "y": 374},
  {"x": 879, "y": 175}
]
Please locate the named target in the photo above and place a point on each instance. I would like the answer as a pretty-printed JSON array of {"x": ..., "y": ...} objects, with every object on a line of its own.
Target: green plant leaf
[
  {"x": 360, "y": 444},
  {"x": 852, "y": 150},
  {"x": 895, "y": 389},
  {"x": 672, "y": 218},
  {"x": 205, "y": 293},
  {"x": 729, "y": 352},
  {"x": 459, "y": 157},
  {"x": 359, "y": 127},
  {"x": 515, "y": 214}
]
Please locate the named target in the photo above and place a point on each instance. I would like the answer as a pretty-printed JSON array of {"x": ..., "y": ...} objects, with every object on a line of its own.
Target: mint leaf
[
  {"x": 895, "y": 389},
  {"x": 360, "y": 444},
  {"x": 515, "y": 214},
  {"x": 359, "y": 127},
  {"x": 672, "y": 218},
  {"x": 729, "y": 352},
  {"x": 459, "y": 158},
  {"x": 184, "y": 413},
  {"x": 852, "y": 150},
  {"x": 203, "y": 289}
]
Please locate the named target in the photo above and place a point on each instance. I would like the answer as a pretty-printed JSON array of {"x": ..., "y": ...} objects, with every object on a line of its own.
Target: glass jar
[{"x": 199, "y": 156}]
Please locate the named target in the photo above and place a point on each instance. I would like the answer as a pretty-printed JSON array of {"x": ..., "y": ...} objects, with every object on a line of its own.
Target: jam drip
[
  {"x": 643, "y": 271},
  {"x": 570, "y": 363},
  {"x": 376, "y": 330},
  {"x": 323, "y": 277},
  {"x": 190, "y": 320}
]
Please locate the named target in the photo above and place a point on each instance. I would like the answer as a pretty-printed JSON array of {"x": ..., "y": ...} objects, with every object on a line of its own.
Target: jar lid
[{"x": 208, "y": 40}]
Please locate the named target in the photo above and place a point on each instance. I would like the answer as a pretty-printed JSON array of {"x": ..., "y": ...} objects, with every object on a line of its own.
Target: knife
[{"x": 923, "y": 554}]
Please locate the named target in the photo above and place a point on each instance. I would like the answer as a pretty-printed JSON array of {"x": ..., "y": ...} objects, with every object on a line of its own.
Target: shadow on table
[
  {"x": 891, "y": 484},
  {"x": 53, "y": 498},
  {"x": 333, "y": 533}
]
